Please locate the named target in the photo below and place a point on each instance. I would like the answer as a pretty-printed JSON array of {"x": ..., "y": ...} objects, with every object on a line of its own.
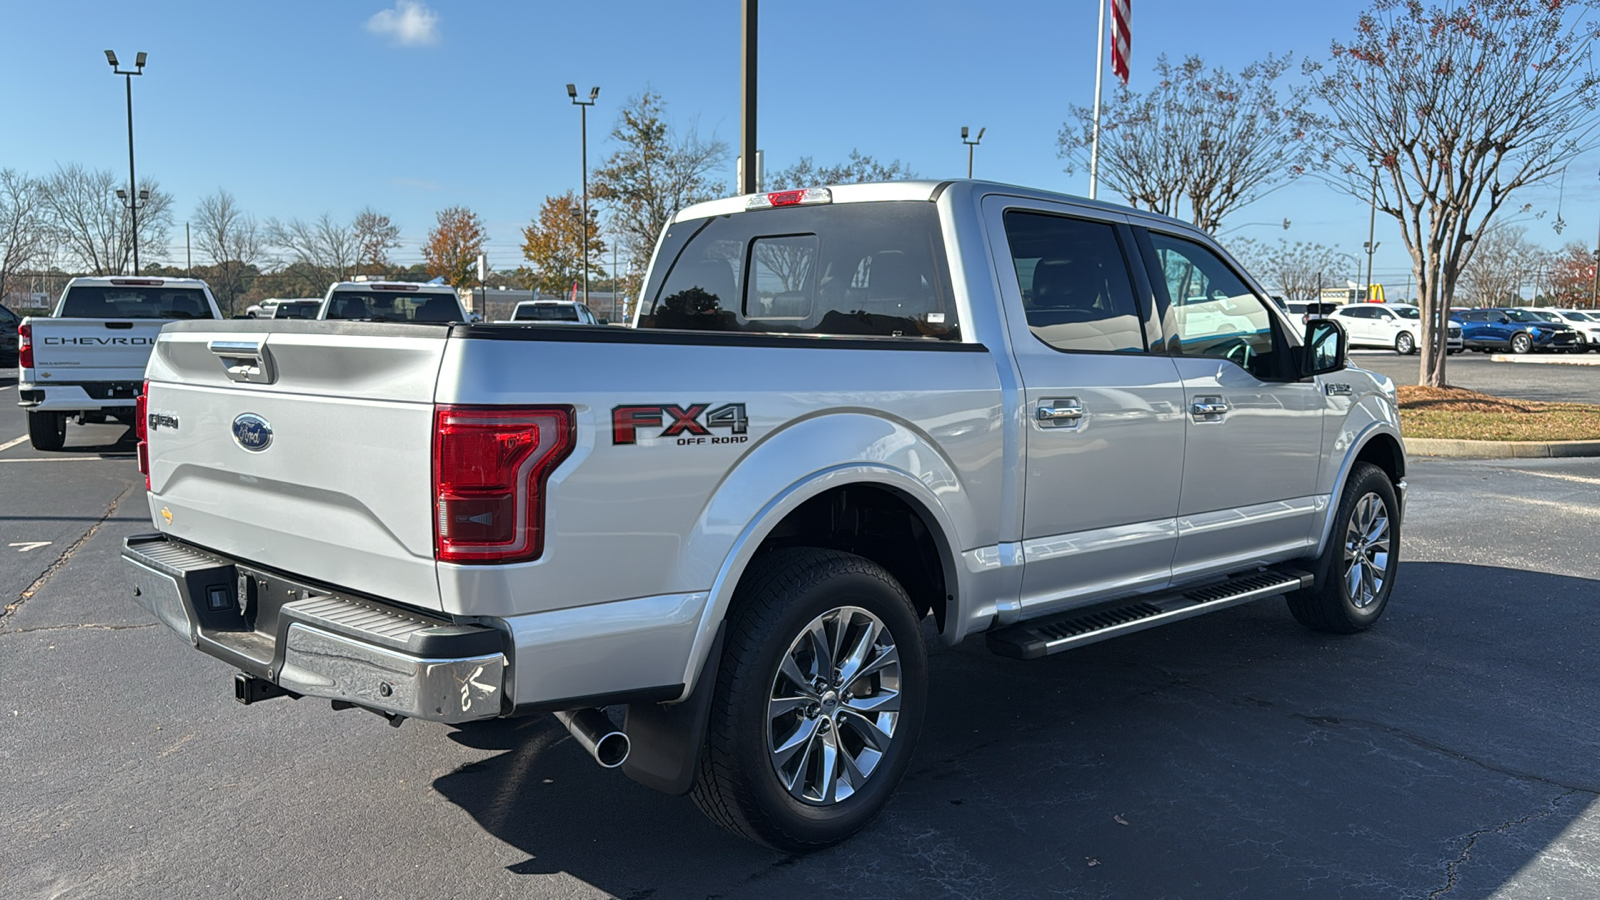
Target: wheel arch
[{"x": 1380, "y": 444}]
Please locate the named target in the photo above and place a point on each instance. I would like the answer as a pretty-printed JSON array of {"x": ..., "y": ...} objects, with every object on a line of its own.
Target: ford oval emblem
[{"x": 252, "y": 432}]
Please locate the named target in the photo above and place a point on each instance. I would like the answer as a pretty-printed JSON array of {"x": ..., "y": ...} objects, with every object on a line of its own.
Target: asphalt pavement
[
  {"x": 1554, "y": 383},
  {"x": 1447, "y": 752}
]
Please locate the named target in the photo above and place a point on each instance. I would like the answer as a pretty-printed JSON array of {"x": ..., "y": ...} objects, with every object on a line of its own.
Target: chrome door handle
[
  {"x": 1059, "y": 413},
  {"x": 1208, "y": 408}
]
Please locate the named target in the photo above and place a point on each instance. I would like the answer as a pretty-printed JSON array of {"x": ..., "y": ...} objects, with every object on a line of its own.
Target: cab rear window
[
  {"x": 856, "y": 270},
  {"x": 393, "y": 306},
  {"x": 98, "y": 301}
]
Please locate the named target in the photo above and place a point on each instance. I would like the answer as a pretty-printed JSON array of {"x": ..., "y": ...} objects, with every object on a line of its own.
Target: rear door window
[
  {"x": 856, "y": 269},
  {"x": 1074, "y": 280}
]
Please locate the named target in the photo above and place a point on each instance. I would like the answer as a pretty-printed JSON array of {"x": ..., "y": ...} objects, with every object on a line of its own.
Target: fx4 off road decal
[{"x": 690, "y": 424}]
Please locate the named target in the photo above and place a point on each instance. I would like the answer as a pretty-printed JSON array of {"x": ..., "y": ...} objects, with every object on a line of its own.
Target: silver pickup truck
[{"x": 847, "y": 421}]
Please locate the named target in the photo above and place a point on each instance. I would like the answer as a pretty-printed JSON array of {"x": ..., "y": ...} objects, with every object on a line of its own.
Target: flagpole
[{"x": 1099, "y": 71}]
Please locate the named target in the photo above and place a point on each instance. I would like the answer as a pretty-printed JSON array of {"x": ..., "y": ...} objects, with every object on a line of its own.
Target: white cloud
[{"x": 410, "y": 23}]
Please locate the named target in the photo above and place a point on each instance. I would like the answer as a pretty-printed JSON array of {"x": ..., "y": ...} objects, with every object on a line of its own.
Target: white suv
[
  {"x": 1393, "y": 326},
  {"x": 1585, "y": 322}
]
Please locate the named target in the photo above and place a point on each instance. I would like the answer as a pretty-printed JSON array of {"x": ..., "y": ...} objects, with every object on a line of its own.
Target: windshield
[
  {"x": 1582, "y": 316},
  {"x": 98, "y": 301},
  {"x": 551, "y": 312},
  {"x": 1541, "y": 315},
  {"x": 394, "y": 306},
  {"x": 1522, "y": 315},
  {"x": 1407, "y": 312}
]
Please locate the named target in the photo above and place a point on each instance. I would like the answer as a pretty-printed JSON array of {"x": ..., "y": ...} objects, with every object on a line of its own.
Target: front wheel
[
  {"x": 47, "y": 430},
  {"x": 1405, "y": 344},
  {"x": 1521, "y": 343},
  {"x": 1355, "y": 573},
  {"x": 819, "y": 698}
]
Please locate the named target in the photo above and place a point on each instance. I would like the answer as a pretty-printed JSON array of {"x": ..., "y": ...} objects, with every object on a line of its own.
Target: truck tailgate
[
  {"x": 318, "y": 463},
  {"x": 73, "y": 351}
]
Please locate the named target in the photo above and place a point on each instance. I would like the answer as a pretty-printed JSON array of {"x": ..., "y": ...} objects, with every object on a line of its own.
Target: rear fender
[{"x": 772, "y": 481}]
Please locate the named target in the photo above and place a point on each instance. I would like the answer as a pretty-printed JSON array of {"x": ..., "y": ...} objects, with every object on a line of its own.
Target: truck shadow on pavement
[{"x": 1442, "y": 752}]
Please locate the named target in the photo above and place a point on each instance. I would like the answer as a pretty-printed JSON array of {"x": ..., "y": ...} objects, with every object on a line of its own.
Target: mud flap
[{"x": 666, "y": 739}]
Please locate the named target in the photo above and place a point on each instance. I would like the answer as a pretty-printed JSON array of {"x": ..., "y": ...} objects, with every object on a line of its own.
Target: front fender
[
  {"x": 774, "y": 479},
  {"x": 1371, "y": 417}
]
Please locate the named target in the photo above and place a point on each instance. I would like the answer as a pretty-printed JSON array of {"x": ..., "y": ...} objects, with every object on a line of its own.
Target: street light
[
  {"x": 1372, "y": 221},
  {"x": 970, "y": 144},
  {"x": 583, "y": 130},
  {"x": 133, "y": 184}
]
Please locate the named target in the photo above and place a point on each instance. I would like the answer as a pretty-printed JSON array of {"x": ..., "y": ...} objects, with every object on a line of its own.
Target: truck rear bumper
[
  {"x": 315, "y": 642},
  {"x": 100, "y": 395}
]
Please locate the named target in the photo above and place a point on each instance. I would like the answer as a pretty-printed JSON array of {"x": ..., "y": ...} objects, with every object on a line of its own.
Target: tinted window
[
  {"x": 552, "y": 312},
  {"x": 394, "y": 306},
  {"x": 857, "y": 269},
  {"x": 1517, "y": 315},
  {"x": 8, "y": 316},
  {"x": 1075, "y": 286},
  {"x": 1358, "y": 312},
  {"x": 307, "y": 310},
  {"x": 1408, "y": 312},
  {"x": 1215, "y": 314},
  {"x": 96, "y": 301}
]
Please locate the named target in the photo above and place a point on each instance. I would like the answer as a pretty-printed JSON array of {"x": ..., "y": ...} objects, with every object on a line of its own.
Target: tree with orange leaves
[{"x": 453, "y": 246}]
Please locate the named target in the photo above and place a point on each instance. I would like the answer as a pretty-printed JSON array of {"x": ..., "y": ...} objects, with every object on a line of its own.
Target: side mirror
[{"x": 1325, "y": 348}]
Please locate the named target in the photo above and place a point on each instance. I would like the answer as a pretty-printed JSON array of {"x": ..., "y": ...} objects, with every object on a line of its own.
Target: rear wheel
[
  {"x": 1405, "y": 344},
  {"x": 47, "y": 430},
  {"x": 1521, "y": 342},
  {"x": 1355, "y": 573},
  {"x": 819, "y": 699}
]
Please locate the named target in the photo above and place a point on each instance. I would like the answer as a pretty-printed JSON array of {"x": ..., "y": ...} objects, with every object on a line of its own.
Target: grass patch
[{"x": 1453, "y": 413}]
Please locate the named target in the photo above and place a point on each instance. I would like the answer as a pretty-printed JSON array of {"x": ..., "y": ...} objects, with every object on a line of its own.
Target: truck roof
[
  {"x": 137, "y": 280},
  {"x": 408, "y": 286}
]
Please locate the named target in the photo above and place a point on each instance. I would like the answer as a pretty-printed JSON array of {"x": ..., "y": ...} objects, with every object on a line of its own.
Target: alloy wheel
[
  {"x": 1366, "y": 551},
  {"x": 834, "y": 706}
]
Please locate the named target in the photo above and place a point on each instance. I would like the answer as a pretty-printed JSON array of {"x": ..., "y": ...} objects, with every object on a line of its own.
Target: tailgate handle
[
  {"x": 246, "y": 361},
  {"x": 119, "y": 324}
]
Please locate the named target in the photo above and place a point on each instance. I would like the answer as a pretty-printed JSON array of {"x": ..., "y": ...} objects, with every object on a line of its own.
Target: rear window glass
[
  {"x": 554, "y": 312},
  {"x": 856, "y": 270},
  {"x": 394, "y": 306},
  {"x": 98, "y": 301},
  {"x": 307, "y": 310}
]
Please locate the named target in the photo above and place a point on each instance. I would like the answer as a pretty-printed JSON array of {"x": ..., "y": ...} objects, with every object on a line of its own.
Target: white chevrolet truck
[
  {"x": 846, "y": 421},
  {"x": 87, "y": 361}
]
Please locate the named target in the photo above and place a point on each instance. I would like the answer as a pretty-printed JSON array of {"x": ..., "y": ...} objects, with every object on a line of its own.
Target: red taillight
[
  {"x": 141, "y": 431},
  {"x": 25, "y": 345},
  {"x": 490, "y": 464}
]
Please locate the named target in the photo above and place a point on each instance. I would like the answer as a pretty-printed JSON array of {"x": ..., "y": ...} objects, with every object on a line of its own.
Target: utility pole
[
  {"x": 747, "y": 100},
  {"x": 188, "y": 254}
]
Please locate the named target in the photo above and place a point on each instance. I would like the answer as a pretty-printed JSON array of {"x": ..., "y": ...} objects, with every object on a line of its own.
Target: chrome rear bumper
[{"x": 313, "y": 642}]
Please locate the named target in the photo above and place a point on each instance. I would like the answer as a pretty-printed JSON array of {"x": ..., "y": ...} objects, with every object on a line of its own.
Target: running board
[{"x": 1033, "y": 638}]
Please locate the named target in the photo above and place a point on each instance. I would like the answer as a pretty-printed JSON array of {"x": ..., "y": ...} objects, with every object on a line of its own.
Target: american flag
[{"x": 1121, "y": 39}]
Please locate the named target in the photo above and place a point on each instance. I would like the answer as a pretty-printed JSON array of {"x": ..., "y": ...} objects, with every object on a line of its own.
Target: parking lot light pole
[
  {"x": 1372, "y": 222},
  {"x": 133, "y": 184},
  {"x": 970, "y": 144},
  {"x": 583, "y": 129}
]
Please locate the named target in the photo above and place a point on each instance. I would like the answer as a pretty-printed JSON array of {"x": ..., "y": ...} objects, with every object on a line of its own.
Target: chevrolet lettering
[{"x": 846, "y": 422}]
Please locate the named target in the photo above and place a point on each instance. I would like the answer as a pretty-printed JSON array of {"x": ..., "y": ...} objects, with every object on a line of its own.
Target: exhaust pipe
[{"x": 595, "y": 731}]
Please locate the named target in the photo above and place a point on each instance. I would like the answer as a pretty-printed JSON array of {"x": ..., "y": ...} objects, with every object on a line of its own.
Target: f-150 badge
[{"x": 691, "y": 424}]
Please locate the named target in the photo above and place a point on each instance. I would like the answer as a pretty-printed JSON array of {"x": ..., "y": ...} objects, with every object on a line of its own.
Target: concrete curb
[
  {"x": 1501, "y": 449},
  {"x": 1554, "y": 359}
]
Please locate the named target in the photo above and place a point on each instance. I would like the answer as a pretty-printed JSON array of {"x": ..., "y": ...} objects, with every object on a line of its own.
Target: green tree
[
  {"x": 453, "y": 246},
  {"x": 654, "y": 172},
  {"x": 551, "y": 244}
]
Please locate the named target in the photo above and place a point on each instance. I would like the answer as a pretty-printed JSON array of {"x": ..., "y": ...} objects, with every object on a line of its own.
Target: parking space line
[
  {"x": 51, "y": 459},
  {"x": 1557, "y": 475},
  {"x": 12, "y": 443}
]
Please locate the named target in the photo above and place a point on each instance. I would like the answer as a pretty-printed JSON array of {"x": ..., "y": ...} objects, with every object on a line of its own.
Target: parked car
[
  {"x": 1393, "y": 326},
  {"x": 555, "y": 312},
  {"x": 1514, "y": 330},
  {"x": 8, "y": 336},
  {"x": 841, "y": 412},
  {"x": 266, "y": 309},
  {"x": 1308, "y": 311},
  {"x": 86, "y": 362},
  {"x": 393, "y": 301},
  {"x": 295, "y": 309},
  {"x": 1584, "y": 323}
]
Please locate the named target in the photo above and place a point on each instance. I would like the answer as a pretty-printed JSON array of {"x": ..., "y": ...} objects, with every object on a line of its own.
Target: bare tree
[
  {"x": 857, "y": 170},
  {"x": 1299, "y": 270},
  {"x": 89, "y": 220},
  {"x": 23, "y": 232},
  {"x": 1459, "y": 107},
  {"x": 232, "y": 240},
  {"x": 1201, "y": 143},
  {"x": 1502, "y": 263},
  {"x": 315, "y": 253},
  {"x": 654, "y": 172},
  {"x": 375, "y": 236}
]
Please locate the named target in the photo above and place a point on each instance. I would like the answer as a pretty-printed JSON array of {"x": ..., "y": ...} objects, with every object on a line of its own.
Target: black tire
[
  {"x": 1405, "y": 344},
  {"x": 1521, "y": 343},
  {"x": 1328, "y": 605},
  {"x": 47, "y": 430},
  {"x": 738, "y": 784}
]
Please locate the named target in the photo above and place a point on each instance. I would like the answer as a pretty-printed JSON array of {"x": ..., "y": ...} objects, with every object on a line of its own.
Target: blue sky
[{"x": 301, "y": 108}]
